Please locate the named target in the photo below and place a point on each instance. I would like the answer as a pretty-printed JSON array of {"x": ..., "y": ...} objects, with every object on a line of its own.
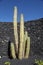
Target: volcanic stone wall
[{"x": 35, "y": 31}]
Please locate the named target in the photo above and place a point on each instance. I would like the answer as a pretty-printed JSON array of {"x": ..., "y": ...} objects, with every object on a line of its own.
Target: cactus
[
  {"x": 12, "y": 49},
  {"x": 27, "y": 48},
  {"x": 26, "y": 45},
  {"x": 15, "y": 28},
  {"x": 25, "y": 38},
  {"x": 21, "y": 37}
]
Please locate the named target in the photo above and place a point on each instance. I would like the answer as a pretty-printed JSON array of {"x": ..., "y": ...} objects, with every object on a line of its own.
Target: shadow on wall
[{"x": 9, "y": 51}]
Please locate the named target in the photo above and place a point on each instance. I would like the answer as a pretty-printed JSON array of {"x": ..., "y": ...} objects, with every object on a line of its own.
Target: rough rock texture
[{"x": 35, "y": 31}]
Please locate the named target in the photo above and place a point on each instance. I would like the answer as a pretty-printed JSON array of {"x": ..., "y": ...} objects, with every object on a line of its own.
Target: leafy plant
[
  {"x": 7, "y": 63},
  {"x": 39, "y": 62}
]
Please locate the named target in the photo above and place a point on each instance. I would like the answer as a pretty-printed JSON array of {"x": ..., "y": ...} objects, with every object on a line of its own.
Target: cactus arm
[
  {"x": 12, "y": 50},
  {"x": 25, "y": 38},
  {"x": 28, "y": 47},
  {"x": 15, "y": 28},
  {"x": 21, "y": 37}
]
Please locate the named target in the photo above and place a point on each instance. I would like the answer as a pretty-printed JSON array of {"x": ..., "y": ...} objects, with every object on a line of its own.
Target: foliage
[
  {"x": 7, "y": 63},
  {"x": 39, "y": 62}
]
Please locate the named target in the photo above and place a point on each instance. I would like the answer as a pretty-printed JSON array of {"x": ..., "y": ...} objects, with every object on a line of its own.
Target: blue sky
[{"x": 32, "y": 9}]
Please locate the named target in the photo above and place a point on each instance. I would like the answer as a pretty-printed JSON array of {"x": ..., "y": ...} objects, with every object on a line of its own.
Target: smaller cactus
[
  {"x": 12, "y": 50},
  {"x": 27, "y": 47},
  {"x": 25, "y": 38}
]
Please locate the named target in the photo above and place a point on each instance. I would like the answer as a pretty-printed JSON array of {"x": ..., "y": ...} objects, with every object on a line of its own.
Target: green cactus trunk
[
  {"x": 12, "y": 49},
  {"x": 27, "y": 48},
  {"x": 25, "y": 38},
  {"x": 15, "y": 28},
  {"x": 21, "y": 37}
]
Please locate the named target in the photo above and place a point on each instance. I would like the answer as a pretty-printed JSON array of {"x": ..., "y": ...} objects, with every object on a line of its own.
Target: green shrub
[
  {"x": 39, "y": 62},
  {"x": 7, "y": 63}
]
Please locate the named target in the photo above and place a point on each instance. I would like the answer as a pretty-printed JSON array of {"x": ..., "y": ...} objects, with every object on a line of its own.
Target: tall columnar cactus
[
  {"x": 21, "y": 37},
  {"x": 12, "y": 49},
  {"x": 15, "y": 28},
  {"x": 27, "y": 48},
  {"x": 25, "y": 39}
]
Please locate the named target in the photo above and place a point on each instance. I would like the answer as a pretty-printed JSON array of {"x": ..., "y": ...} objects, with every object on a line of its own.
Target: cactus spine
[
  {"x": 21, "y": 37},
  {"x": 12, "y": 49},
  {"x": 15, "y": 28},
  {"x": 27, "y": 48}
]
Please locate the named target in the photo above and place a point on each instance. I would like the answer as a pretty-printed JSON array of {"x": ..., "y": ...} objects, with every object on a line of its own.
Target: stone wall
[{"x": 35, "y": 31}]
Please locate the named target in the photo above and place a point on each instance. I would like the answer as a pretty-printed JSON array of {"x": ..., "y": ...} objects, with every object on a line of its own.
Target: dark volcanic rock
[{"x": 35, "y": 31}]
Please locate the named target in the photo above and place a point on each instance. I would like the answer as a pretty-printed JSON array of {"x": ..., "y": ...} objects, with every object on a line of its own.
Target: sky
[{"x": 31, "y": 9}]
